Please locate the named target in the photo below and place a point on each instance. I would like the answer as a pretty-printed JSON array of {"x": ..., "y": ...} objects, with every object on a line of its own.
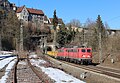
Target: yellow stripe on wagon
[{"x": 52, "y": 53}]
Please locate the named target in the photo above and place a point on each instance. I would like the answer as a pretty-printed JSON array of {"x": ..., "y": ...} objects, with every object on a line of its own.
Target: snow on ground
[
  {"x": 34, "y": 62},
  {"x": 5, "y": 52},
  {"x": 8, "y": 69},
  {"x": 22, "y": 63},
  {"x": 6, "y": 56},
  {"x": 5, "y": 61},
  {"x": 58, "y": 75},
  {"x": 55, "y": 74},
  {"x": 33, "y": 56}
]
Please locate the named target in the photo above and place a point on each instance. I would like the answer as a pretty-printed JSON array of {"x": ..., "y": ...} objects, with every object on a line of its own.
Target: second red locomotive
[{"x": 78, "y": 55}]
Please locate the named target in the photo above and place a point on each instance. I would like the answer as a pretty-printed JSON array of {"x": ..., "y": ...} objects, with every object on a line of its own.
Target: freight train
[{"x": 79, "y": 55}]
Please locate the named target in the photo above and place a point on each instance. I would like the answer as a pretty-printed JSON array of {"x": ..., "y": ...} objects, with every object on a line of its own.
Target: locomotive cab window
[
  {"x": 88, "y": 50},
  {"x": 83, "y": 50}
]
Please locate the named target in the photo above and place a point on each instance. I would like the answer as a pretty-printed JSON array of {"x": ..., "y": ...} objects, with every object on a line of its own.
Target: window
[
  {"x": 24, "y": 12},
  {"x": 60, "y": 50},
  {"x": 88, "y": 50},
  {"x": 67, "y": 50},
  {"x": 74, "y": 50},
  {"x": 83, "y": 50},
  {"x": 71, "y": 50},
  {"x": 21, "y": 15}
]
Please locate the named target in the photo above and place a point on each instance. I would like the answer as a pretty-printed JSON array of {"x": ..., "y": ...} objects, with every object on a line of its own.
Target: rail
[
  {"x": 15, "y": 71},
  {"x": 40, "y": 75},
  {"x": 109, "y": 73}
]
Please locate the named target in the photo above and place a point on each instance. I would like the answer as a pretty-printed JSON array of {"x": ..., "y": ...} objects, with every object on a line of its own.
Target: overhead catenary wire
[{"x": 114, "y": 18}]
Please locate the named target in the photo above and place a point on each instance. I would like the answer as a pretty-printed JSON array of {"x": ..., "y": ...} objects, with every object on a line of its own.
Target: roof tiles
[{"x": 30, "y": 10}]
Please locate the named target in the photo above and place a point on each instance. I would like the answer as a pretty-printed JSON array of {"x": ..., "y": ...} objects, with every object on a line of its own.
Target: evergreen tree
[
  {"x": 55, "y": 23},
  {"x": 65, "y": 36},
  {"x": 102, "y": 38},
  {"x": 101, "y": 28},
  {"x": 55, "y": 20}
]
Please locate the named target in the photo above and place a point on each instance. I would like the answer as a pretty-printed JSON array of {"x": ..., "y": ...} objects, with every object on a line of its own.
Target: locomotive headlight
[
  {"x": 83, "y": 55},
  {"x": 88, "y": 56}
]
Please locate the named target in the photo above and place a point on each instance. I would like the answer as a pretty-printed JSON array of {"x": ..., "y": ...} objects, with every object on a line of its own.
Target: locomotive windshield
[
  {"x": 88, "y": 50},
  {"x": 83, "y": 50}
]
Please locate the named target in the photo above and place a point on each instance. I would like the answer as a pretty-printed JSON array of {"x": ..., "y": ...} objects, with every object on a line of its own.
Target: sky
[{"x": 109, "y": 10}]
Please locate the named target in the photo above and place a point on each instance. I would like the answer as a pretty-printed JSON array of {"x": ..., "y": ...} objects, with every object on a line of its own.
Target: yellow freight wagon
[{"x": 52, "y": 53}]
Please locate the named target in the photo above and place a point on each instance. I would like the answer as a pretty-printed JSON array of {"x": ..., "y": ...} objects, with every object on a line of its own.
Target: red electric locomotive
[{"x": 78, "y": 55}]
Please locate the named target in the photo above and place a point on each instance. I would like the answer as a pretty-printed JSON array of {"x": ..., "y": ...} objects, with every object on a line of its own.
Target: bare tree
[
  {"x": 74, "y": 23},
  {"x": 10, "y": 30}
]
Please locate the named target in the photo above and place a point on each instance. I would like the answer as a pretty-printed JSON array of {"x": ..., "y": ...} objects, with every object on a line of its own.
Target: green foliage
[
  {"x": 55, "y": 20},
  {"x": 65, "y": 36},
  {"x": 55, "y": 24},
  {"x": 94, "y": 28},
  {"x": 101, "y": 28}
]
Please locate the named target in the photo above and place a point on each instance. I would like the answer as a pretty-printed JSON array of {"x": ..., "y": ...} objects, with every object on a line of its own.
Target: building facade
[
  {"x": 31, "y": 15},
  {"x": 22, "y": 13}
]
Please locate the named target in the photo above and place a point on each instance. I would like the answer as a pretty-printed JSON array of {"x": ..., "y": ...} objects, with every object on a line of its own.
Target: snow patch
[
  {"x": 5, "y": 61},
  {"x": 60, "y": 76},
  {"x": 5, "y": 52},
  {"x": 56, "y": 74},
  {"x": 22, "y": 63},
  {"x": 33, "y": 56},
  {"x": 37, "y": 61},
  {"x": 8, "y": 69}
]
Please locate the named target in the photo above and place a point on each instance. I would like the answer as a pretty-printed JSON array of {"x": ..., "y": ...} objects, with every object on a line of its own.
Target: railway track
[
  {"x": 2, "y": 71},
  {"x": 25, "y": 72},
  {"x": 99, "y": 71}
]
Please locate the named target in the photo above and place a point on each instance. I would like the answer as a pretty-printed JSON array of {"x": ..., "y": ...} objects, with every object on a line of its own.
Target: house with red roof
[
  {"x": 37, "y": 17},
  {"x": 22, "y": 13},
  {"x": 30, "y": 15}
]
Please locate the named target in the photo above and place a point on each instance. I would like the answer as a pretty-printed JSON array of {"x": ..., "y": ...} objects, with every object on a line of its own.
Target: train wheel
[
  {"x": 75, "y": 61},
  {"x": 78, "y": 62},
  {"x": 89, "y": 62},
  {"x": 82, "y": 62},
  {"x": 65, "y": 59},
  {"x": 68, "y": 59},
  {"x": 71, "y": 60}
]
